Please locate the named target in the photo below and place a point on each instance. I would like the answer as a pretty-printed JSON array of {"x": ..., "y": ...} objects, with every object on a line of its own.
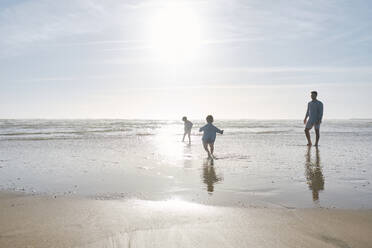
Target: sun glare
[{"x": 175, "y": 32}]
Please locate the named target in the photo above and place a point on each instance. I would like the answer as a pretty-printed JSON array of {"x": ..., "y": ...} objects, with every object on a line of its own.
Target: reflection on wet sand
[
  {"x": 187, "y": 157},
  {"x": 314, "y": 174},
  {"x": 209, "y": 175}
]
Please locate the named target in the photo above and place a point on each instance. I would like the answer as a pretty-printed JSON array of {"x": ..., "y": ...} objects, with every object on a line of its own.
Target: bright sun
[{"x": 175, "y": 32}]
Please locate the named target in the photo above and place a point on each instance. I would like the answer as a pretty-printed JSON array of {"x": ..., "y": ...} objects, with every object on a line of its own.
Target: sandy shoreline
[{"x": 45, "y": 221}]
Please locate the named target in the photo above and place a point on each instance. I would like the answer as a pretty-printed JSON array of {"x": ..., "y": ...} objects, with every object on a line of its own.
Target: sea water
[{"x": 258, "y": 162}]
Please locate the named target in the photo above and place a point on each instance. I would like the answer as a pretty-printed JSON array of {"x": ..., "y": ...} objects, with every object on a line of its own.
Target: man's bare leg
[
  {"x": 317, "y": 133},
  {"x": 307, "y": 133},
  {"x": 205, "y": 145}
]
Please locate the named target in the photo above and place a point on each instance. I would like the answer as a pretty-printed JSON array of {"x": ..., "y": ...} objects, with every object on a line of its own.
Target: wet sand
[
  {"x": 259, "y": 163},
  {"x": 45, "y": 221},
  {"x": 107, "y": 183}
]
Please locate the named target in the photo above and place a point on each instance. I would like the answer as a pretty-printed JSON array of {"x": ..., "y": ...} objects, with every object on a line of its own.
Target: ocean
[{"x": 258, "y": 162}]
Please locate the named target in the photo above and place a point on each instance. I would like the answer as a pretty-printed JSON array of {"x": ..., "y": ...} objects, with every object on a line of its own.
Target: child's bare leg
[
  {"x": 307, "y": 133},
  {"x": 205, "y": 145},
  {"x": 183, "y": 139},
  {"x": 212, "y": 148},
  {"x": 189, "y": 137}
]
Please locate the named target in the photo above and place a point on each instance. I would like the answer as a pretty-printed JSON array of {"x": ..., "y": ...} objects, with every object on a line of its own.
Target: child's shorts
[
  {"x": 208, "y": 140},
  {"x": 188, "y": 130}
]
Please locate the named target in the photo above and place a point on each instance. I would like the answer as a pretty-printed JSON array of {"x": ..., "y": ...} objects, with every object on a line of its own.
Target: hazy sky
[{"x": 166, "y": 59}]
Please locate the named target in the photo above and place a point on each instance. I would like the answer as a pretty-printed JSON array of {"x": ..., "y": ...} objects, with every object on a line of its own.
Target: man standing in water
[{"x": 315, "y": 114}]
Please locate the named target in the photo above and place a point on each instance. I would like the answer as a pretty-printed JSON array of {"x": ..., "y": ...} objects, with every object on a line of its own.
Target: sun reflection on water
[
  {"x": 175, "y": 205},
  {"x": 168, "y": 144}
]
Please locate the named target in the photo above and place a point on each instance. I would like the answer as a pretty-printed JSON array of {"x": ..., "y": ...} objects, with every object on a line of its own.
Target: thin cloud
[
  {"x": 46, "y": 79},
  {"x": 364, "y": 69},
  {"x": 97, "y": 43}
]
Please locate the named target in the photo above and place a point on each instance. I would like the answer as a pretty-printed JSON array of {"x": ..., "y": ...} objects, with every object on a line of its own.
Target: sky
[{"x": 247, "y": 59}]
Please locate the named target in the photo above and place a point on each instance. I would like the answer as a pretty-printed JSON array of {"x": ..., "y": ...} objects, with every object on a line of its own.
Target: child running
[
  {"x": 188, "y": 126},
  {"x": 209, "y": 135}
]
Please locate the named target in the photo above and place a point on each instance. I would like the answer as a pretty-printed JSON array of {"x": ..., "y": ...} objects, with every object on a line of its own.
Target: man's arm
[
  {"x": 307, "y": 113},
  {"x": 320, "y": 113}
]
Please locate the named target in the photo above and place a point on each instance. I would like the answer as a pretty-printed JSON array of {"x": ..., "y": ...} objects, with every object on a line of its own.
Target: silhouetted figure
[
  {"x": 209, "y": 176},
  {"x": 209, "y": 135},
  {"x": 314, "y": 174},
  {"x": 315, "y": 114},
  {"x": 188, "y": 126}
]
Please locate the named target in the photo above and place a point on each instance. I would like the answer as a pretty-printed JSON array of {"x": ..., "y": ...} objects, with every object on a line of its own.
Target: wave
[
  {"x": 65, "y": 132},
  {"x": 87, "y": 129},
  {"x": 144, "y": 134},
  {"x": 41, "y": 138},
  {"x": 275, "y": 132}
]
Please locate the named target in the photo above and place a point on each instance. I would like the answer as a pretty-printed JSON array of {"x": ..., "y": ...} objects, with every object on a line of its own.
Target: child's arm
[
  {"x": 201, "y": 129},
  {"x": 219, "y": 130}
]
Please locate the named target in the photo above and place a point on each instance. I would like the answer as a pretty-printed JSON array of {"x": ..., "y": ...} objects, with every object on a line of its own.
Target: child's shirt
[
  {"x": 188, "y": 125},
  {"x": 210, "y": 131}
]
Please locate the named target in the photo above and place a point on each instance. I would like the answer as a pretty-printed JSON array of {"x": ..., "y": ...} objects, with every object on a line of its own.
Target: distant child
[
  {"x": 209, "y": 135},
  {"x": 188, "y": 126}
]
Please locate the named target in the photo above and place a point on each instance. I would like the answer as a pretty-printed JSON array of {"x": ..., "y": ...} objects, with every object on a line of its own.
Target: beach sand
[{"x": 46, "y": 221}]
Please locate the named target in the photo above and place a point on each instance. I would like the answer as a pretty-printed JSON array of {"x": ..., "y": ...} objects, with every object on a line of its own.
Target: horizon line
[{"x": 173, "y": 119}]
